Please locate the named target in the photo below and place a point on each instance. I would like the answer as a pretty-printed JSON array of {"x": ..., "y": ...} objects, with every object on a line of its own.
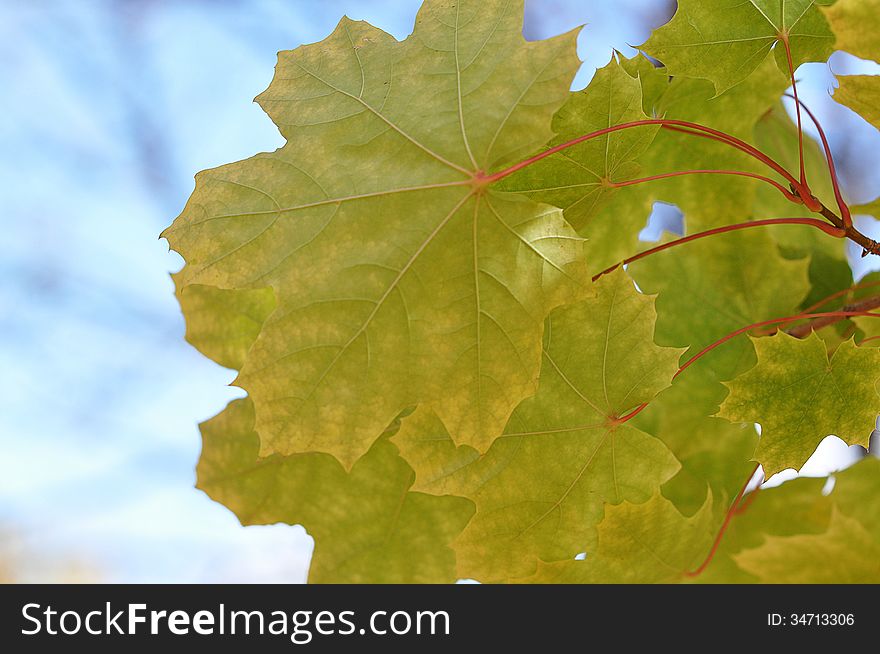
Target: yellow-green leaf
[
  {"x": 712, "y": 287},
  {"x": 854, "y": 24},
  {"x": 541, "y": 488},
  {"x": 399, "y": 277},
  {"x": 715, "y": 455},
  {"x": 799, "y": 533},
  {"x": 799, "y": 396},
  {"x": 861, "y": 93},
  {"x": 367, "y": 524},
  {"x": 844, "y": 554},
  {"x": 578, "y": 179},
  {"x": 726, "y": 40},
  {"x": 223, "y": 323},
  {"x": 639, "y": 544}
]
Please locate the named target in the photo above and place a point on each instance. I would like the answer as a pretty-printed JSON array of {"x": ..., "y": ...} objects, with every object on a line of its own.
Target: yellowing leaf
[
  {"x": 639, "y": 544},
  {"x": 800, "y": 396},
  {"x": 726, "y": 40},
  {"x": 399, "y": 279},
  {"x": 541, "y": 488},
  {"x": 854, "y": 24},
  {"x": 861, "y": 93},
  {"x": 367, "y": 525}
]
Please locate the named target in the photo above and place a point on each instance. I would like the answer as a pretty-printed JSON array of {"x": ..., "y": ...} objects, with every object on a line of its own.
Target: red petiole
[
  {"x": 838, "y": 196},
  {"x": 741, "y": 173},
  {"x": 691, "y": 128}
]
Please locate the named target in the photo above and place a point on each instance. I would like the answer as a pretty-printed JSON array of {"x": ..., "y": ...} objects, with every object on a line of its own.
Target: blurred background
[{"x": 111, "y": 107}]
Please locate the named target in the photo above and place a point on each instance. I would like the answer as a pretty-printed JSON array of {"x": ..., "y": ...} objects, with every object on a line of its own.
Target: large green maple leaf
[
  {"x": 800, "y": 395},
  {"x": 541, "y": 488},
  {"x": 400, "y": 276},
  {"x": 726, "y": 40},
  {"x": 367, "y": 524}
]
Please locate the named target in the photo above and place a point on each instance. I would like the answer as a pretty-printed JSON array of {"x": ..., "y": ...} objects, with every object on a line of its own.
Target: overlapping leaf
[
  {"x": 398, "y": 278},
  {"x": 796, "y": 533},
  {"x": 715, "y": 455},
  {"x": 224, "y": 323},
  {"x": 367, "y": 524},
  {"x": 800, "y": 395},
  {"x": 541, "y": 488},
  {"x": 579, "y": 179},
  {"x": 726, "y": 40},
  {"x": 706, "y": 200},
  {"x": 638, "y": 543}
]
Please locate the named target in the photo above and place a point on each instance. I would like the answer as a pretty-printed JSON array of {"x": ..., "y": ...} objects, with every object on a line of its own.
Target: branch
[
  {"x": 869, "y": 246},
  {"x": 858, "y": 308}
]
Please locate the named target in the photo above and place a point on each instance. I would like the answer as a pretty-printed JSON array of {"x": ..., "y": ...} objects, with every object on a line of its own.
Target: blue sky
[{"x": 111, "y": 107}]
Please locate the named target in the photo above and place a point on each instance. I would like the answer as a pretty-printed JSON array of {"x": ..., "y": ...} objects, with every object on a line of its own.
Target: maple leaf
[
  {"x": 540, "y": 489},
  {"x": 852, "y": 22},
  {"x": 367, "y": 525},
  {"x": 800, "y": 396},
  {"x": 643, "y": 543},
  {"x": 713, "y": 287},
  {"x": 726, "y": 40},
  {"x": 400, "y": 276}
]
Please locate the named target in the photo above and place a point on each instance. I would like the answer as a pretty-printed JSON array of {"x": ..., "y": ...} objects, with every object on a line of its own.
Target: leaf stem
[
  {"x": 630, "y": 182},
  {"x": 829, "y": 158},
  {"x": 784, "y": 38},
  {"x": 843, "y": 293},
  {"x": 663, "y": 122},
  {"x": 721, "y": 137},
  {"x": 801, "y": 331},
  {"x": 812, "y": 222}
]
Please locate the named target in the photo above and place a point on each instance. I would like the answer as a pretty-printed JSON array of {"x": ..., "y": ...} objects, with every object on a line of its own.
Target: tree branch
[{"x": 800, "y": 331}]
